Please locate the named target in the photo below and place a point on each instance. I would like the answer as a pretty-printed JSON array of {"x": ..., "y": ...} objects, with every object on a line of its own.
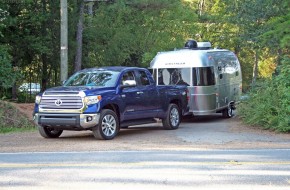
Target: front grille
[
  {"x": 61, "y": 102},
  {"x": 61, "y": 93}
]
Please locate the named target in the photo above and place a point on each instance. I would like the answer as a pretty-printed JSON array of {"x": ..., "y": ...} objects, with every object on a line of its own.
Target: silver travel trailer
[{"x": 213, "y": 76}]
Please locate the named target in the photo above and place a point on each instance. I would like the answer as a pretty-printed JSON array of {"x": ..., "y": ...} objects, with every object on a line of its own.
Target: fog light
[{"x": 89, "y": 118}]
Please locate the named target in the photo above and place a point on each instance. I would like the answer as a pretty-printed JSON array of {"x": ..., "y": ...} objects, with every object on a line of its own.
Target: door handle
[{"x": 140, "y": 92}]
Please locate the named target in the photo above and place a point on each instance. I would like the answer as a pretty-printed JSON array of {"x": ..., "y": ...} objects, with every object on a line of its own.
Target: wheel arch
[
  {"x": 177, "y": 102},
  {"x": 232, "y": 105},
  {"x": 114, "y": 108}
]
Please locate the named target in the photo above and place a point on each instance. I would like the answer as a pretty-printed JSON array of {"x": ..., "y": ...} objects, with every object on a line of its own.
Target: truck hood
[{"x": 88, "y": 90}]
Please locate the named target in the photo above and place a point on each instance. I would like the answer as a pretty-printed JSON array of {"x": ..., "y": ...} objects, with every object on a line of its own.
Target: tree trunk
[
  {"x": 78, "y": 57},
  {"x": 44, "y": 72},
  {"x": 14, "y": 92},
  {"x": 255, "y": 70},
  {"x": 15, "y": 63},
  {"x": 44, "y": 75},
  {"x": 201, "y": 6}
]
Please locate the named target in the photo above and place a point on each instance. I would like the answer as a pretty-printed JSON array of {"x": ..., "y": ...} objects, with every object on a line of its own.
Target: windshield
[{"x": 93, "y": 78}]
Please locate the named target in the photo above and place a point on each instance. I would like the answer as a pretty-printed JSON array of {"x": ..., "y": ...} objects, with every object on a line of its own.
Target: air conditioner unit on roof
[{"x": 203, "y": 44}]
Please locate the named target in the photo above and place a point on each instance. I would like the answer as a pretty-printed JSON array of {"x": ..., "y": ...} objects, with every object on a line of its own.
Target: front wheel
[
  {"x": 228, "y": 112},
  {"x": 172, "y": 119},
  {"x": 48, "y": 132},
  {"x": 108, "y": 125}
]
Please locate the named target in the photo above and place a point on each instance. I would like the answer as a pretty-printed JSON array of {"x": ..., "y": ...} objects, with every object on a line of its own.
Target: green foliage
[
  {"x": 132, "y": 33},
  {"x": 6, "y": 70},
  {"x": 24, "y": 97},
  {"x": 12, "y": 120},
  {"x": 269, "y": 104},
  {"x": 276, "y": 34},
  {"x": 8, "y": 74}
]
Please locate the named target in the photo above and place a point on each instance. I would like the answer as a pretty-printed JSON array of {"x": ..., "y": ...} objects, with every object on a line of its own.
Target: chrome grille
[{"x": 67, "y": 102}]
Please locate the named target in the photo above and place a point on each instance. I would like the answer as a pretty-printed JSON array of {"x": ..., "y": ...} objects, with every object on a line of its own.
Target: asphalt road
[
  {"x": 204, "y": 153},
  {"x": 208, "y": 132},
  {"x": 199, "y": 169}
]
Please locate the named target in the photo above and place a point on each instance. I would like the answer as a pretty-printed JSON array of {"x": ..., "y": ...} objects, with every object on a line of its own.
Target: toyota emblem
[{"x": 58, "y": 102}]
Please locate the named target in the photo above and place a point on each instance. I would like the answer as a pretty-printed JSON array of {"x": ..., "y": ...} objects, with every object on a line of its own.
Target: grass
[
  {"x": 4, "y": 130},
  {"x": 12, "y": 120}
]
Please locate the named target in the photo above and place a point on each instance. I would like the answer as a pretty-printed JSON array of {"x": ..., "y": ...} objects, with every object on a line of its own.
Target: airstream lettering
[{"x": 212, "y": 76}]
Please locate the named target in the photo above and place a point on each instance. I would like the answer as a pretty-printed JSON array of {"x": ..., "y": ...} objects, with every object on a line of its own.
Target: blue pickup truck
[{"x": 106, "y": 99}]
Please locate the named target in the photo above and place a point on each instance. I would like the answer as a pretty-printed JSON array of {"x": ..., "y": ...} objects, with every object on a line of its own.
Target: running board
[{"x": 137, "y": 122}]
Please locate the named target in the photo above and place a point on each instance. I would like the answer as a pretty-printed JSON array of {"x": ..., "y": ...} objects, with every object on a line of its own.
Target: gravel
[{"x": 207, "y": 132}]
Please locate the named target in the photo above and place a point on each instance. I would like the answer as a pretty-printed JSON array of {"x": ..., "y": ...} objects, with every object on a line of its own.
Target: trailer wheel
[
  {"x": 108, "y": 125},
  {"x": 48, "y": 132},
  {"x": 228, "y": 112},
  {"x": 172, "y": 119}
]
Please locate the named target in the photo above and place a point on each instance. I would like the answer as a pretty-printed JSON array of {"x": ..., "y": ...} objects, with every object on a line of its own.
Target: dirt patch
[
  {"x": 209, "y": 132},
  {"x": 243, "y": 128},
  {"x": 25, "y": 108},
  {"x": 12, "y": 116}
]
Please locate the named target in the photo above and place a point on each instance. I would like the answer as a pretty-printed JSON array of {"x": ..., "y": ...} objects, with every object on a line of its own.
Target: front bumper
[{"x": 67, "y": 121}]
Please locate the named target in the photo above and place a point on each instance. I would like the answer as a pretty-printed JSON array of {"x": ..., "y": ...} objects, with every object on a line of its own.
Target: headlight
[
  {"x": 37, "y": 99},
  {"x": 88, "y": 100}
]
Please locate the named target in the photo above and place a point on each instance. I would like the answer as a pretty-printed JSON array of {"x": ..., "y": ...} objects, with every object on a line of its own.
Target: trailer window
[
  {"x": 203, "y": 76},
  {"x": 174, "y": 76}
]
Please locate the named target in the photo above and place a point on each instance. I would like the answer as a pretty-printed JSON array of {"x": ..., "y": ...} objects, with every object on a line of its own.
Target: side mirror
[
  {"x": 62, "y": 82},
  {"x": 128, "y": 83}
]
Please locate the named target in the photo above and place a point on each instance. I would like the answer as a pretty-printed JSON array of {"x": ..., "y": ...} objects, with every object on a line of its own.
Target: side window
[
  {"x": 203, "y": 76},
  {"x": 174, "y": 76},
  {"x": 128, "y": 78},
  {"x": 143, "y": 78}
]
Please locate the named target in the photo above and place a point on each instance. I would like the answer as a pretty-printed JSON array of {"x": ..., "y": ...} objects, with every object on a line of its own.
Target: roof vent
[
  {"x": 191, "y": 44},
  {"x": 204, "y": 45}
]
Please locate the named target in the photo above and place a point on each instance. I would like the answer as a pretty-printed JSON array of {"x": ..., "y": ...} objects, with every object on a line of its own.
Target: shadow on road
[
  {"x": 132, "y": 131},
  {"x": 154, "y": 129},
  {"x": 202, "y": 119}
]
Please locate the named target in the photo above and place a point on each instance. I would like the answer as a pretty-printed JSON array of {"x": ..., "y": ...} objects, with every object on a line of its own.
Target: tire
[
  {"x": 108, "y": 126},
  {"x": 172, "y": 119},
  {"x": 228, "y": 112},
  {"x": 48, "y": 132}
]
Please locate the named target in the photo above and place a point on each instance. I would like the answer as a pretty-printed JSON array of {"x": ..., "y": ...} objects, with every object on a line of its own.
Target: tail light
[{"x": 187, "y": 94}]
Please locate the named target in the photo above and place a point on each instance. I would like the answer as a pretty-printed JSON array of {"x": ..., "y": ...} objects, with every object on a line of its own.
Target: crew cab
[{"x": 106, "y": 99}]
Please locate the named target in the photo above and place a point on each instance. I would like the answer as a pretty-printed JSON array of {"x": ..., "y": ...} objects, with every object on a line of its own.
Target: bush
[
  {"x": 13, "y": 120},
  {"x": 269, "y": 104},
  {"x": 23, "y": 97}
]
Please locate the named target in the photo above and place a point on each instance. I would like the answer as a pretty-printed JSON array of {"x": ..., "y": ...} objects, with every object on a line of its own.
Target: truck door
[
  {"x": 131, "y": 97},
  {"x": 150, "y": 102}
]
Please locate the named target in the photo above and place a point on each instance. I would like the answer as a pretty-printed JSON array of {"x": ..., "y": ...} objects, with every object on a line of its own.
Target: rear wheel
[
  {"x": 108, "y": 125},
  {"x": 48, "y": 132},
  {"x": 172, "y": 119},
  {"x": 228, "y": 112}
]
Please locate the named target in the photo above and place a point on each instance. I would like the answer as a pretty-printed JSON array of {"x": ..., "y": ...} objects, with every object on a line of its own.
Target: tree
[
  {"x": 132, "y": 32},
  {"x": 251, "y": 17},
  {"x": 8, "y": 74},
  {"x": 79, "y": 38}
]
